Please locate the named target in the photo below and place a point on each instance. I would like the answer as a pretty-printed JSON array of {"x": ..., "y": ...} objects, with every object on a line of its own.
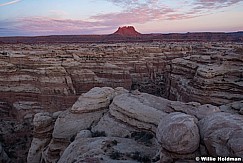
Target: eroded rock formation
[
  {"x": 127, "y": 31},
  {"x": 113, "y": 125},
  {"x": 203, "y": 77},
  {"x": 37, "y": 78},
  {"x": 207, "y": 78}
]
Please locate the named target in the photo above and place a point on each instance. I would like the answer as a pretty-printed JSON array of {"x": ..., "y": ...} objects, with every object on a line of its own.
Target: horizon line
[{"x": 113, "y": 33}]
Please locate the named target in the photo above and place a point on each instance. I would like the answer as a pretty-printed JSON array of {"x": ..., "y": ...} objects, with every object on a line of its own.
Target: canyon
[{"x": 58, "y": 96}]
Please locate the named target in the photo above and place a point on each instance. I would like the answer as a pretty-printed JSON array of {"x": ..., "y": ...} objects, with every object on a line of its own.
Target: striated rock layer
[
  {"x": 207, "y": 78},
  {"x": 107, "y": 125},
  {"x": 39, "y": 78}
]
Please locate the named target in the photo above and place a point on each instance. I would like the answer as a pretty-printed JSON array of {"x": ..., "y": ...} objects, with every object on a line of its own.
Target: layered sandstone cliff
[
  {"x": 38, "y": 77},
  {"x": 49, "y": 78},
  {"x": 213, "y": 77}
]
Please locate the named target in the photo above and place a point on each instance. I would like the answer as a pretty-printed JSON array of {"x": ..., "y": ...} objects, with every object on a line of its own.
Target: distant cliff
[{"x": 128, "y": 34}]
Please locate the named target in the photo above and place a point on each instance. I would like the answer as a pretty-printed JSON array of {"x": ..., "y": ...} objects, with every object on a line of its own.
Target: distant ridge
[
  {"x": 127, "y": 34},
  {"x": 127, "y": 31}
]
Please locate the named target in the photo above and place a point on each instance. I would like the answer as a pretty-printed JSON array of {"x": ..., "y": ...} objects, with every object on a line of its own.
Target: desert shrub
[
  {"x": 139, "y": 157},
  {"x": 157, "y": 158},
  {"x": 99, "y": 134},
  {"x": 72, "y": 138},
  {"x": 143, "y": 136},
  {"x": 1, "y": 139},
  {"x": 114, "y": 142},
  {"x": 115, "y": 155}
]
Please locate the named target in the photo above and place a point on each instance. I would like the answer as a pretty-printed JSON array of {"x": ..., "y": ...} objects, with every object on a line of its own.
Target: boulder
[
  {"x": 95, "y": 99},
  {"x": 35, "y": 151},
  {"x": 194, "y": 109},
  {"x": 84, "y": 114},
  {"x": 107, "y": 150},
  {"x": 234, "y": 107},
  {"x": 43, "y": 127},
  {"x": 131, "y": 110},
  {"x": 178, "y": 133},
  {"x": 113, "y": 127},
  {"x": 43, "y": 123},
  {"x": 222, "y": 134}
]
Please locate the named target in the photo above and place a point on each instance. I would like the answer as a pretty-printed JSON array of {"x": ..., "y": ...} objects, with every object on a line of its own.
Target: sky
[{"x": 77, "y": 17}]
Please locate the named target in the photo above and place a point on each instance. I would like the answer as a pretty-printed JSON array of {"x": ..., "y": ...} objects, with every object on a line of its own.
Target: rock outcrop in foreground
[{"x": 107, "y": 125}]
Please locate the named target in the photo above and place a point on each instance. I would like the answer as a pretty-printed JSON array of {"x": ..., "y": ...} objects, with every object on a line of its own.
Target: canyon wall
[
  {"x": 41, "y": 78},
  {"x": 210, "y": 75}
]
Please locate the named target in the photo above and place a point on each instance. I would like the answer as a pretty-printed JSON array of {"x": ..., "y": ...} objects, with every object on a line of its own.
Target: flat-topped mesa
[{"x": 128, "y": 31}]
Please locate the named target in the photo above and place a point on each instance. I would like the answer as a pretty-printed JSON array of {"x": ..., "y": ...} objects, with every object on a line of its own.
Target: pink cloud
[
  {"x": 214, "y": 4},
  {"x": 141, "y": 13},
  {"x": 144, "y": 13},
  {"x": 46, "y": 26},
  {"x": 135, "y": 11}
]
